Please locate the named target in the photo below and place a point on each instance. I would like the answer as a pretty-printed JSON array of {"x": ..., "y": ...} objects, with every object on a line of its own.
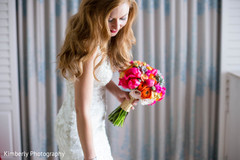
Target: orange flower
[
  {"x": 144, "y": 77},
  {"x": 152, "y": 77},
  {"x": 139, "y": 62},
  {"x": 149, "y": 68},
  {"x": 159, "y": 95},
  {"x": 122, "y": 74},
  {"x": 142, "y": 86},
  {"x": 146, "y": 93},
  {"x": 154, "y": 95}
]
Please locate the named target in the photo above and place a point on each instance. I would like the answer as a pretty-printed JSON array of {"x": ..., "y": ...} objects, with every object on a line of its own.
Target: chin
[{"x": 113, "y": 34}]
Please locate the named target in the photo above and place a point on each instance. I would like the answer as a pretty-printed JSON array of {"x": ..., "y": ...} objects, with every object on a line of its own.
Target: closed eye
[{"x": 124, "y": 18}]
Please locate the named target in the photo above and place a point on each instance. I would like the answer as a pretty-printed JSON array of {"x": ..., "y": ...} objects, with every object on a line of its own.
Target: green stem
[{"x": 118, "y": 116}]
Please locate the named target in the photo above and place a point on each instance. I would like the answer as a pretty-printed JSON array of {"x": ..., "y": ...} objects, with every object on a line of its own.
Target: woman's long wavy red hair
[{"x": 89, "y": 29}]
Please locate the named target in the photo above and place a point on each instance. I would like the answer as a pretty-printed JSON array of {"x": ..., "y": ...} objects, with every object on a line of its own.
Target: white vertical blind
[{"x": 9, "y": 101}]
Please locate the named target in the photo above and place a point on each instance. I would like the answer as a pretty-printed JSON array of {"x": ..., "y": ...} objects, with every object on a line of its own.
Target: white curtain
[{"x": 179, "y": 37}]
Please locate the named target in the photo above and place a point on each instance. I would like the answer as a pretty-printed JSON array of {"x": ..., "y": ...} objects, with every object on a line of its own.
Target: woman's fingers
[
  {"x": 127, "y": 95},
  {"x": 135, "y": 102}
]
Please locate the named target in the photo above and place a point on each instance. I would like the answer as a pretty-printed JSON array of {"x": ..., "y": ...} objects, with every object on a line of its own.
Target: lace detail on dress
[{"x": 66, "y": 127}]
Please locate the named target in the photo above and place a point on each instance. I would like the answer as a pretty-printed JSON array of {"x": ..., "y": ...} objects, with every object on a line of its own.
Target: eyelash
[{"x": 123, "y": 19}]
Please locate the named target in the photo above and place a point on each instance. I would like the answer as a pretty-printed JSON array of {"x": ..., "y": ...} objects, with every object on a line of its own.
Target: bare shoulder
[
  {"x": 95, "y": 53},
  {"x": 87, "y": 68}
]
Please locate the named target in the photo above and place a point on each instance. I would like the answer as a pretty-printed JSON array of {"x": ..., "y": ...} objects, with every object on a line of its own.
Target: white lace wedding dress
[{"x": 66, "y": 132}]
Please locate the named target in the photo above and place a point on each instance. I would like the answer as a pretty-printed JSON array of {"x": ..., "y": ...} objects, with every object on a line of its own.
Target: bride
[{"x": 98, "y": 41}]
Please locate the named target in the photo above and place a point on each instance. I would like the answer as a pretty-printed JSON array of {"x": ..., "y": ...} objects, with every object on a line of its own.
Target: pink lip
[{"x": 113, "y": 31}]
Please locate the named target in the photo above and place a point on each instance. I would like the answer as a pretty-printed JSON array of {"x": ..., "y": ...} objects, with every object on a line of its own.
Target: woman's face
[{"x": 118, "y": 18}]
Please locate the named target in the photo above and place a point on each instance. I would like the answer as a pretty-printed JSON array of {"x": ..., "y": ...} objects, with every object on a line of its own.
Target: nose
[{"x": 116, "y": 25}]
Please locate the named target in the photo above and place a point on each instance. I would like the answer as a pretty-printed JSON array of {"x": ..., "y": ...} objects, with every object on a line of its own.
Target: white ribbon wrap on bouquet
[
  {"x": 135, "y": 94},
  {"x": 127, "y": 104}
]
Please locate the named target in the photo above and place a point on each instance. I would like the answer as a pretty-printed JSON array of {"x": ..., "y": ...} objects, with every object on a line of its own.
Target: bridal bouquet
[{"x": 144, "y": 82}]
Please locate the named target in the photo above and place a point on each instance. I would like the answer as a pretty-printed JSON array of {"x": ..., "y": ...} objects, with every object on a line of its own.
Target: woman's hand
[{"x": 120, "y": 94}]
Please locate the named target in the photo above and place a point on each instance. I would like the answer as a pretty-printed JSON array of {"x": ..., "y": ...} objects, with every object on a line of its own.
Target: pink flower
[
  {"x": 123, "y": 82},
  {"x": 133, "y": 83},
  {"x": 148, "y": 72},
  {"x": 158, "y": 88},
  {"x": 150, "y": 82},
  {"x": 133, "y": 73},
  {"x": 153, "y": 103},
  {"x": 130, "y": 79},
  {"x": 154, "y": 71},
  {"x": 163, "y": 90}
]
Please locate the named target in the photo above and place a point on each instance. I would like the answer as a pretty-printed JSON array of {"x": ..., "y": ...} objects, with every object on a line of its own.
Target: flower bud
[{"x": 150, "y": 82}]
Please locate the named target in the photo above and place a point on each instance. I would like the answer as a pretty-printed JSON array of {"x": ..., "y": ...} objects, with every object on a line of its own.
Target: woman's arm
[
  {"x": 83, "y": 98},
  {"x": 118, "y": 93}
]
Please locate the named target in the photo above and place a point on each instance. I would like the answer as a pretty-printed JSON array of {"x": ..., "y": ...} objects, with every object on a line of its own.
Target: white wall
[{"x": 230, "y": 61}]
